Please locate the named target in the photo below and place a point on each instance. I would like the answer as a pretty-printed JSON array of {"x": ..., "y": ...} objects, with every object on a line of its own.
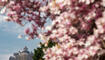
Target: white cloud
[
  {"x": 2, "y": 18},
  {"x": 9, "y": 26},
  {"x": 5, "y": 56},
  {"x": 13, "y": 28}
]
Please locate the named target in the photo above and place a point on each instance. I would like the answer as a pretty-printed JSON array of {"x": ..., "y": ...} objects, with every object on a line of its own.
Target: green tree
[{"x": 38, "y": 52}]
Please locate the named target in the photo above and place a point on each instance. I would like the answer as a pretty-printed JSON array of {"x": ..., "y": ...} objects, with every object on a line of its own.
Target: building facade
[{"x": 24, "y": 55}]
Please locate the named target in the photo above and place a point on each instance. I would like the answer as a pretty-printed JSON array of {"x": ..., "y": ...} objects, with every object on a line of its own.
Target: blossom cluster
[
  {"x": 78, "y": 26},
  {"x": 77, "y": 31},
  {"x": 3, "y": 2},
  {"x": 27, "y": 11}
]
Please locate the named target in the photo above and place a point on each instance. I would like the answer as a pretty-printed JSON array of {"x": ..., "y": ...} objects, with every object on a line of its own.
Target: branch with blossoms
[
  {"x": 77, "y": 26},
  {"x": 3, "y": 2}
]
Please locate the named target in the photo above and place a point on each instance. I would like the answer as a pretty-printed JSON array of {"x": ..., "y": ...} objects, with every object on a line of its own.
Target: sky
[{"x": 9, "y": 43}]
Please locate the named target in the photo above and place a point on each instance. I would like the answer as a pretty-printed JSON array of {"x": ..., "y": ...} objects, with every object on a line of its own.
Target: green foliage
[{"x": 38, "y": 53}]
